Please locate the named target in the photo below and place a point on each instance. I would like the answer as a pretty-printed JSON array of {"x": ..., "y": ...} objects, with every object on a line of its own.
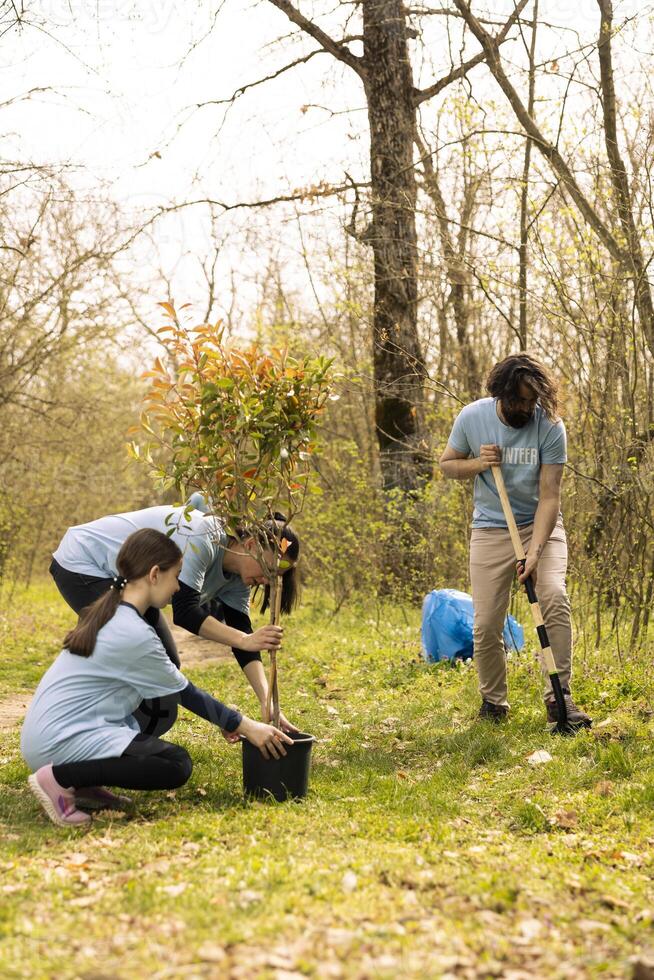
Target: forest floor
[{"x": 429, "y": 846}]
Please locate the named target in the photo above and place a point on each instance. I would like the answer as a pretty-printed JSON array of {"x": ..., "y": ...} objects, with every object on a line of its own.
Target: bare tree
[{"x": 392, "y": 100}]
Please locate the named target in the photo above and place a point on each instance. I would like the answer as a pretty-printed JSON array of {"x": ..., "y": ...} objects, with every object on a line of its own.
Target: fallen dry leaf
[
  {"x": 530, "y": 928},
  {"x": 628, "y": 857},
  {"x": 280, "y": 960},
  {"x": 539, "y": 757},
  {"x": 77, "y": 860},
  {"x": 592, "y": 925},
  {"x": 564, "y": 818},
  {"x": 349, "y": 881},
  {"x": 612, "y": 902},
  {"x": 212, "y": 953},
  {"x": 249, "y": 897},
  {"x": 603, "y": 788},
  {"x": 174, "y": 890}
]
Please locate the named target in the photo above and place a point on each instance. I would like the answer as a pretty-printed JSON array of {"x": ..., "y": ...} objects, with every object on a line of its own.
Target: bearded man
[{"x": 517, "y": 427}]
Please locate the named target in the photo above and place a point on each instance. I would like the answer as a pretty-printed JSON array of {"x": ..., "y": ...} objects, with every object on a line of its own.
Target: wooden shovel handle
[{"x": 518, "y": 547}]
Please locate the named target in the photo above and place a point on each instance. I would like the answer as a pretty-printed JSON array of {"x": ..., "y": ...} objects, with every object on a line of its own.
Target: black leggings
[
  {"x": 81, "y": 590},
  {"x": 146, "y": 763}
]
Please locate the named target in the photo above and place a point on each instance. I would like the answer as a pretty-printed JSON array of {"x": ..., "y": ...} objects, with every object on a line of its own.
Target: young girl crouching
[{"x": 80, "y": 733}]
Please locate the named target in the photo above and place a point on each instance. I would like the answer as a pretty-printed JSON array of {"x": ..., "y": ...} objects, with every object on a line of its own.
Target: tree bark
[
  {"x": 398, "y": 359},
  {"x": 619, "y": 179},
  {"x": 524, "y": 194},
  {"x": 455, "y": 264}
]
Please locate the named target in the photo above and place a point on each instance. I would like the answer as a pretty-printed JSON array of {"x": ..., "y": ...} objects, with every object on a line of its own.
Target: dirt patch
[
  {"x": 12, "y": 711},
  {"x": 196, "y": 652},
  {"x": 193, "y": 652}
]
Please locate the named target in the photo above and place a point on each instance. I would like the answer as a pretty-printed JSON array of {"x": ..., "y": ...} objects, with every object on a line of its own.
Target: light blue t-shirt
[
  {"x": 91, "y": 549},
  {"x": 82, "y": 707},
  {"x": 523, "y": 452}
]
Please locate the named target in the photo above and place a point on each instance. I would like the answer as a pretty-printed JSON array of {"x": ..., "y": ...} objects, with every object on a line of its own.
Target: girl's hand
[
  {"x": 266, "y": 638},
  {"x": 268, "y": 739},
  {"x": 230, "y": 737}
]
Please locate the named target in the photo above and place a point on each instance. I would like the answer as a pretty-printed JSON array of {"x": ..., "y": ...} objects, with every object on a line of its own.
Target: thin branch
[
  {"x": 338, "y": 50},
  {"x": 260, "y": 81},
  {"x": 546, "y": 147},
  {"x": 421, "y": 95}
]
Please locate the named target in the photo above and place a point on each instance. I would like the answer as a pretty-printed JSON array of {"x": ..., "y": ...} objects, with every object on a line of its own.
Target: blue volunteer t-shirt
[
  {"x": 91, "y": 549},
  {"x": 83, "y": 707},
  {"x": 523, "y": 452}
]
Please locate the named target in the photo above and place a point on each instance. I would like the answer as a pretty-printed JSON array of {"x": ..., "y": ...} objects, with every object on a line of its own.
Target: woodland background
[{"x": 485, "y": 185}]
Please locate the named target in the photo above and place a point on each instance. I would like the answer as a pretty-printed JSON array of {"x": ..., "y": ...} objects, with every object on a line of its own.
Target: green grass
[{"x": 428, "y": 845}]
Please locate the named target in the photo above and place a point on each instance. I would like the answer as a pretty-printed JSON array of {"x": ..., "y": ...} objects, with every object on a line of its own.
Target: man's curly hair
[{"x": 506, "y": 377}]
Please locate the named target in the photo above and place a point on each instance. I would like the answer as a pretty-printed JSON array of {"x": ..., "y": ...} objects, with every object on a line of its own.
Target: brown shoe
[
  {"x": 493, "y": 712},
  {"x": 576, "y": 717}
]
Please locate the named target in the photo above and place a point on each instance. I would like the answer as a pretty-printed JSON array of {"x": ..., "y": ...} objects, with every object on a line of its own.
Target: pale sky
[{"x": 125, "y": 74}]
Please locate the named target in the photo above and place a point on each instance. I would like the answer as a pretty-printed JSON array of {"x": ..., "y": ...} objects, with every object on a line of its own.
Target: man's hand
[
  {"x": 266, "y": 638},
  {"x": 530, "y": 568},
  {"x": 230, "y": 737},
  {"x": 490, "y": 455}
]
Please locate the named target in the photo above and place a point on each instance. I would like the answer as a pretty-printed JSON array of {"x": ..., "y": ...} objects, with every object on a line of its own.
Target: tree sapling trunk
[{"x": 273, "y": 687}]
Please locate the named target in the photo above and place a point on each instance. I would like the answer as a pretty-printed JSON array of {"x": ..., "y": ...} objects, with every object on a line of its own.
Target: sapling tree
[{"x": 238, "y": 424}]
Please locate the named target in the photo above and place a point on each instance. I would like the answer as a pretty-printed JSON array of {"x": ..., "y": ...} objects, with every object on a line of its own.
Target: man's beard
[{"x": 515, "y": 418}]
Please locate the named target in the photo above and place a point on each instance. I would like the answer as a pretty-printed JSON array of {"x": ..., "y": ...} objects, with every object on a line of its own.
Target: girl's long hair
[
  {"x": 139, "y": 553},
  {"x": 275, "y": 531},
  {"x": 505, "y": 379}
]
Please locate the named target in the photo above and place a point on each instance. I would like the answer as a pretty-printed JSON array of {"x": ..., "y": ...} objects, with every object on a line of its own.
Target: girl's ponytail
[
  {"x": 81, "y": 639},
  {"x": 140, "y": 552},
  {"x": 276, "y": 530}
]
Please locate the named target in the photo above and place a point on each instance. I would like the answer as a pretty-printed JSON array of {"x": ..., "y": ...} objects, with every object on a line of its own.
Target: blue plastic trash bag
[{"x": 447, "y": 626}]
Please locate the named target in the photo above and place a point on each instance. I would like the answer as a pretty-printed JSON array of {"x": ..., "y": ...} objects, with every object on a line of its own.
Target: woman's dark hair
[
  {"x": 506, "y": 377},
  {"x": 275, "y": 531},
  {"x": 139, "y": 553}
]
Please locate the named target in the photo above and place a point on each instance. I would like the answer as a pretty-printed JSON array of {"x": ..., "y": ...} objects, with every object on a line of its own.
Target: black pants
[
  {"x": 146, "y": 763},
  {"x": 81, "y": 590}
]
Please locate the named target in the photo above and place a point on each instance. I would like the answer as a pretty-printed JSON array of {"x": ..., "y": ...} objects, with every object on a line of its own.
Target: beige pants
[{"x": 492, "y": 567}]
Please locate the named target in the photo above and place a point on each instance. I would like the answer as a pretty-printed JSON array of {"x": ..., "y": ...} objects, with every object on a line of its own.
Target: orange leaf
[
  {"x": 283, "y": 545},
  {"x": 170, "y": 309},
  {"x": 249, "y": 473}
]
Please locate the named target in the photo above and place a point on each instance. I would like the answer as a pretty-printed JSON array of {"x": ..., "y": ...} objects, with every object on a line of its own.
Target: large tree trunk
[
  {"x": 619, "y": 179},
  {"x": 398, "y": 360}
]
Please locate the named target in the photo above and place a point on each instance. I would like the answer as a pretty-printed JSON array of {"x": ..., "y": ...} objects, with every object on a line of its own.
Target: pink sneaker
[
  {"x": 58, "y": 802},
  {"x": 99, "y": 798}
]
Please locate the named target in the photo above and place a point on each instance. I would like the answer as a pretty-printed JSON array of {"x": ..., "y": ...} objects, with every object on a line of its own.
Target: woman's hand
[
  {"x": 266, "y": 638},
  {"x": 284, "y": 723},
  {"x": 267, "y": 738}
]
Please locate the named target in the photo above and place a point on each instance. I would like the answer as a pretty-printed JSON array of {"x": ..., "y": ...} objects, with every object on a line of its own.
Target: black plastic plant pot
[{"x": 283, "y": 778}]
